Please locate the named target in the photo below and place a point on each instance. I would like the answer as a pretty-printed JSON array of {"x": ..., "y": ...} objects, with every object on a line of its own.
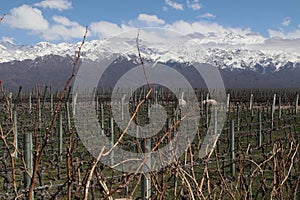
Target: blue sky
[{"x": 29, "y": 22}]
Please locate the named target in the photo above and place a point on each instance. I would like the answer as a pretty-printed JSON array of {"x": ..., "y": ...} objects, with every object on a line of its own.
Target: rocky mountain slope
[{"x": 243, "y": 61}]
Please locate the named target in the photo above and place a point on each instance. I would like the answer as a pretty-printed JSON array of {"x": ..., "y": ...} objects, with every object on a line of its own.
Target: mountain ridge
[
  {"x": 242, "y": 61},
  {"x": 54, "y": 70},
  {"x": 230, "y": 51}
]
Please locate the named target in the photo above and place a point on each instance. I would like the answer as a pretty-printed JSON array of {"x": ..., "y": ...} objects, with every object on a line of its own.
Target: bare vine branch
[{"x": 49, "y": 130}]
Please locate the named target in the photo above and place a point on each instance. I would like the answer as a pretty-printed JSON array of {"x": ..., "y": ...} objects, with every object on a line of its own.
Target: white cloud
[
  {"x": 63, "y": 29},
  {"x": 200, "y": 27},
  {"x": 55, "y": 4},
  {"x": 275, "y": 33},
  {"x": 285, "y": 35},
  {"x": 150, "y": 19},
  {"x": 107, "y": 29},
  {"x": 286, "y": 21},
  {"x": 64, "y": 21},
  {"x": 214, "y": 32},
  {"x": 195, "y": 5},
  {"x": 59, "y": 31},
  {"x": 174, "y": 5},
  {"x": 26, "y": 17},
  {"x": 204, "y": 28},
  {"x": 207, "y": 16}
]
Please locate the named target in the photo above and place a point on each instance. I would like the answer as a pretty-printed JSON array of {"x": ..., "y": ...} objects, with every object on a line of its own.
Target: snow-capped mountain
[
  {"x": 243, "y": 60},
  {"x": 230, "y": 51}
]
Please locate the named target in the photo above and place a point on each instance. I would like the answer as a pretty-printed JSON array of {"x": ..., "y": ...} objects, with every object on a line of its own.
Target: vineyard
[{"x": 256, "y": 156}]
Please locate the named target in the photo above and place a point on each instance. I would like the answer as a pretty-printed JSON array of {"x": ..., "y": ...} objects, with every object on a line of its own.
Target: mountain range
[{"x": 243, "y": 61}]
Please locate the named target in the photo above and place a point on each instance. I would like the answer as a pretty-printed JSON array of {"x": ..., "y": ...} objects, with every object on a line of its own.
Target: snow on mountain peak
[{"x": 225, "y": 50}]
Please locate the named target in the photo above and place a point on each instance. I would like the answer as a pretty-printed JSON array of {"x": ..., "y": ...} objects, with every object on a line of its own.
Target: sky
[{"x": 29, "y": 22}]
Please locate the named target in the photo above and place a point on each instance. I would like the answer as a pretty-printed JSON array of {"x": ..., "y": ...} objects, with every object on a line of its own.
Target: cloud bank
[{"x": 59, "y": 27}]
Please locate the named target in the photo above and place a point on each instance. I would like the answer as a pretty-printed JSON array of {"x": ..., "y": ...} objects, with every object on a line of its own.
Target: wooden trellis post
[
  {"x": 102, "y": 115},
  {"x": 122, "y": 107},
  {"x": 273, "y": 111},
  {"x": 232, "y": 147},
  {"x": 156, "y": 97},
  {"x": 279, "y": 107},
  {"x": 44, "y": 97},
  {"x": 60, "y": 142},
  {"x": 251, "y": 104},
  {"x": 15, "y": 120},
  {"x": 149, "y": 108},
  {"x": 68, "y": 116},
  {"x": 259, "y": 129},
  {"x": 112, "y": 138},
  {"x": 60, "y": 135},
  {"x": 238, "y": 116},
  {"x": 10, "y": 101},
  {"x": 74, "y": 101},
  {"x": 215, "y": 120},
  {"x": 30, "y": 102},
  {"x": 296, "y": 103},
  {"x": 28, "y": 157},
  {"x": 201, "y": 104},
  {"x": 146, "y": 178},
  {"x": 39, "y": 114},
  {"x": 206, "y": 111},
  {"x": 97, "y": 105},
  {"x": 51, "y": 104},
  {"x": 228, "y": 102}
]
